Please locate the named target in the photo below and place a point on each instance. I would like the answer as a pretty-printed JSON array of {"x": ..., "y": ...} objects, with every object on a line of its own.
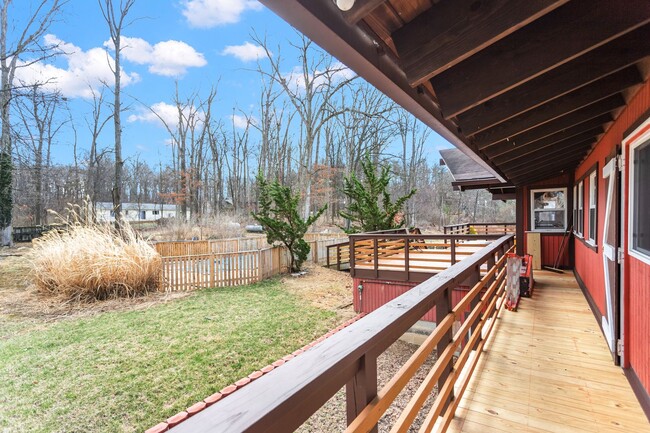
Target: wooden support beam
[
  {"x": 596, "y": 91},
  {"x": 524, "y": 151},
  {"x": 514, "y": 143},
  {"x": 542, "y": 155},
  {"x": 545, "y": 171},
  {"x": 554, "y": 39},
  {"x": 614, "y": 56},
  {"x": 504, "y": 196},
  {"x": 520, "y": 218},
  {"x": 546, "y": 154},
  {"x": 453, "y": 30},
  {"x": 361, "y": 9}
]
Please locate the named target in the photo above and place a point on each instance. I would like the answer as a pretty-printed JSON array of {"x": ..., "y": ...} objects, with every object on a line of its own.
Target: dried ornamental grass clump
[{"x": 89, "y": 261}]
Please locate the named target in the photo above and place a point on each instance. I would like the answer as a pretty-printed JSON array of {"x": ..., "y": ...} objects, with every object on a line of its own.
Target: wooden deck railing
[
  {"x": 338, "y": 254},
  {"x": 480, "y": 228},
  {"x": 412, "y": 257},
  {"x": 286, "y": 397}
]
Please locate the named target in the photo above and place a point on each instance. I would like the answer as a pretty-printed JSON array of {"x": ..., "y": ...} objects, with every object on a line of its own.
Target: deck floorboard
[{"x": 547, "y": 368}]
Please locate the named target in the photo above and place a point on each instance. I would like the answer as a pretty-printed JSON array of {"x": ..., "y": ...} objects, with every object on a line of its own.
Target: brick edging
[{"x": 208, "y": 401}]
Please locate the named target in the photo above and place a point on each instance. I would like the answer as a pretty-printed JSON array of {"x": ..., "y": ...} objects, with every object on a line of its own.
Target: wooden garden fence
[{"x": 190, "y": 265}]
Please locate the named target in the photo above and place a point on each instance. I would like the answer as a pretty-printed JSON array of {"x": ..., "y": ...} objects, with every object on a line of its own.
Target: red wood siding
[
  {"x": 636, "y": 274},
  {"x": 376, "y": 293},
  {"x": 638, "y": 312},
  {"x": 551, "y": 243}
]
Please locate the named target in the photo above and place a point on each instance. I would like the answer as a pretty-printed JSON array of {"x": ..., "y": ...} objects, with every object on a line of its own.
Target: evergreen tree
[
  {"x": 5, "y": 193},
  {"x": 278, "y": 214},
  {"x": 371, "y": 207}
]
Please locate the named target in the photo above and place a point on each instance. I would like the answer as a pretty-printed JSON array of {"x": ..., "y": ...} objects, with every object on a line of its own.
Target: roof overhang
[{"x": 524, "y": 88}]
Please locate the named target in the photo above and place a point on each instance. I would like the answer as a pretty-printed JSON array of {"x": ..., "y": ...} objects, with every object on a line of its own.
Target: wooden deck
[{"x": 547, "y": 368}]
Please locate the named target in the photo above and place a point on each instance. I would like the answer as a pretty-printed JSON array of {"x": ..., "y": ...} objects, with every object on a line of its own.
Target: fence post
[
  {"x": 362, "y": 388},
  {"x": 211, "y": 269}
]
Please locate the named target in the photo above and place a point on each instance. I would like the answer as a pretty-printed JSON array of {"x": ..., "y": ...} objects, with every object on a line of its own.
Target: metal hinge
[
  {"x": 620, "y": 163},
  {"x": 619, "y": 347},
  {"x": 619, "y": 255}
]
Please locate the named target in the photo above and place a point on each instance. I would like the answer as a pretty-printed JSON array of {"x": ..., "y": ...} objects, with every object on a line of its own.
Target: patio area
[{"x": 547, "y": 368}]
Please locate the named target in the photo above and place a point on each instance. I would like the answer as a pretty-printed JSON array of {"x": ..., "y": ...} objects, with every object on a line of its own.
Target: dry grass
[
  {"x": 89, "y": 261},
  {"x": 219, "y": 226}
]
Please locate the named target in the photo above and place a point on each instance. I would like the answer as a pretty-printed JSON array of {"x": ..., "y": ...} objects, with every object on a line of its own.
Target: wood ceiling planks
[
  {"x": 609, "y": 58},
  {"x": 556, "y": 38},
  {"x": 454, "y": 30}
]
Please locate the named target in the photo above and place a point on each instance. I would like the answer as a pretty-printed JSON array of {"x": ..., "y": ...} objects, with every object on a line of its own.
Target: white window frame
[
  {"x": 532, "y": 210},
  {"x": 580, "y": 220},
  {"x": 593, "y": 204},
  {"x": 640, "y": 136}
]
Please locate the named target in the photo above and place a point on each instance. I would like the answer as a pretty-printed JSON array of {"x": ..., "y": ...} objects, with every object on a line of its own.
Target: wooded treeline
[{"x": 311, "y": 128}]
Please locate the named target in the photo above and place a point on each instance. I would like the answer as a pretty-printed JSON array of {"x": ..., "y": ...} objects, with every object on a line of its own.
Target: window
[
  {"x": 155, "y": 212},
  {"x": 580, "y": 214},
  {"x": 640, "y": 197},
  {"x": 593, "y": 200},
  {"x": 549, "y": 209}
]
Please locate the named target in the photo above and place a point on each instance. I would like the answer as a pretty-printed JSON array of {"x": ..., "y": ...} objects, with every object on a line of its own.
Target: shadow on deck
[{"x": 547, "y": 368}]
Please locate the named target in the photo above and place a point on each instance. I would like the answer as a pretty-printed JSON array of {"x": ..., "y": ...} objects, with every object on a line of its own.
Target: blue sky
[{"x": 199, "y": 43}]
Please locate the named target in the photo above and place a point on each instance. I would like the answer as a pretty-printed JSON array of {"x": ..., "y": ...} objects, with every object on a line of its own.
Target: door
[{"x": 611, "y": 244}]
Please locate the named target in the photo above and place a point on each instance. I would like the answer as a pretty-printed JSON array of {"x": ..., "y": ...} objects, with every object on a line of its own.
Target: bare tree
[
  {"x": 39, "y": 126},
  {"x": 413, "y": 135},
  {"x": 21, "y": 51},
  {"x": 115, "y": 19},
  {"x": 95, "y": 126},
  {"x": 311, "y": 88}
]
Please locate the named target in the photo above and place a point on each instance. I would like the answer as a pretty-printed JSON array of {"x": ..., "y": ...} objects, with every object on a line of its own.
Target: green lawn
[{"x": 127, "y": 371}]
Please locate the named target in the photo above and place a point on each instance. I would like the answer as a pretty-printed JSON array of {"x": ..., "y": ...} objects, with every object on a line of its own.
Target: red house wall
[
  {"x": 636, "y": 274},
  {"x": 376, "y": 293}
]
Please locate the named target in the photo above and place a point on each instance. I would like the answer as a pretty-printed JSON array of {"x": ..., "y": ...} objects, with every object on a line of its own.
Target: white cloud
[
  {"x": 241, "y": 122},
  {"x": 85, "y": 71},
  {"x": 297, "y": 82},
  {"x": 169, "y": 58},
  {"x": 245, "y": 52},
  {"x": 160, "y": 112},
  {"x": 212, "y": 13}
]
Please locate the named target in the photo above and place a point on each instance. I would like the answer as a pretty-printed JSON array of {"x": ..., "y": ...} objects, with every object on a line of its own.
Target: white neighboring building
[{"x": 135, "y": 211}]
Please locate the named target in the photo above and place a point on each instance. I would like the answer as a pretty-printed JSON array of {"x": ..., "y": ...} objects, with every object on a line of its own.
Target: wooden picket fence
[
  {"x": 190, "y": 265},
  {"x": 184, "y": 273}
]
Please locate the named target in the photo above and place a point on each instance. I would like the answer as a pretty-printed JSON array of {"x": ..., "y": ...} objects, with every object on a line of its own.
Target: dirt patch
[{"x": 323, "y": 288}]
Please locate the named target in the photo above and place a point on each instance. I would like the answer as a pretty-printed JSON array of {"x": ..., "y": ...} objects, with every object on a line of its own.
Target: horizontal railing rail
[
  {"x": 479, "y": 228},
  {"x": 412, "y": 257},
  {"x": 283, "y": 399}
]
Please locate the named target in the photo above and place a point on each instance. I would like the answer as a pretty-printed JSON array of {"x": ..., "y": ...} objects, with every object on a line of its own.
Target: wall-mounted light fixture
[{"x": 344, "y": 5}]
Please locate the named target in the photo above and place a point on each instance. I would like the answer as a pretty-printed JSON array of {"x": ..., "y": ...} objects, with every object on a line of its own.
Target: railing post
[
  {"x": 338, "y": 257},
  {"x": 362, "y": 388},
  {"x": 352, "y": 259},
  {"x": 327, "y": 255},
  {"x": 453, "y": 250},
  {"x": 443, "y": 307},
  {"x": 406, "y": 259},
  {"x": 376, "y": 256}
]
